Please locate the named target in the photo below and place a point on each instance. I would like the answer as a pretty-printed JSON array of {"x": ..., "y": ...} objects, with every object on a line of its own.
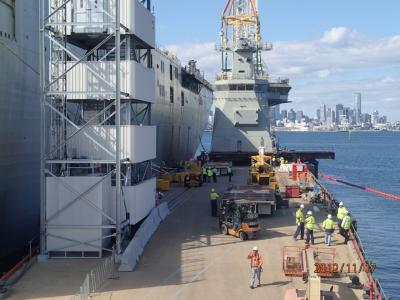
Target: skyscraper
[
  {"x": 339, "y": 112},
  {"x": 275, "y": 113},
  {"x": 323, "y": 114},
  {"x": 292, "y": 115},
  {"x": 357, "y": 108},
  {"x": 284, "y": 114},
  {"x": 375, "y": 117},
  {"x": 299, "y": 115}
]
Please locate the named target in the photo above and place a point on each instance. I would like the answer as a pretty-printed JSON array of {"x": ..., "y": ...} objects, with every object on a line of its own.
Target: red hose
[{"x": 8, "y": 275}]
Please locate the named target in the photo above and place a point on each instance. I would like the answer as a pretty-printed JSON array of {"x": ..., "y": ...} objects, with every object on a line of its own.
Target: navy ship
[{"x": 180, "y": 111}]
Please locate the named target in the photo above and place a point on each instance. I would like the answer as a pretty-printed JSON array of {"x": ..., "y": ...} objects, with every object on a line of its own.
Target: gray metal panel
[
  {"x": 246, "y": 117},
  {"x": 19, "y": 130},
  {"x": 247, "y": 137}
]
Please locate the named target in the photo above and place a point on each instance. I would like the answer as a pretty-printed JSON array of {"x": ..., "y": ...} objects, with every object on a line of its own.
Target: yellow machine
[
  {"x": 193, "y": 174},
  {"x": 261, "y": 171}
]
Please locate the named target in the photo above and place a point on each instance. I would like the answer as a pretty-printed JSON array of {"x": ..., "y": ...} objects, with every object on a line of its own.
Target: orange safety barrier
[{"x": 368, "y": 189}]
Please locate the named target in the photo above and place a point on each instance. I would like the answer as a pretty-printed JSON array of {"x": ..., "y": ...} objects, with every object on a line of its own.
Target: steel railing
[
  {"x": 96, "y": 278},
  {"x": 376, "y": 290}
]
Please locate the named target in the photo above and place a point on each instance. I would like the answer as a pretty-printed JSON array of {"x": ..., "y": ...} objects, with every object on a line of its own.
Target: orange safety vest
[{"x": 256, "y": 259}]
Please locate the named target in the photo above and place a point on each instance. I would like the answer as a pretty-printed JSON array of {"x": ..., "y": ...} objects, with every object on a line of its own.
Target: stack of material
[
  {"x": 163, "y": 185},
  {"x": 179, "y": 177}
]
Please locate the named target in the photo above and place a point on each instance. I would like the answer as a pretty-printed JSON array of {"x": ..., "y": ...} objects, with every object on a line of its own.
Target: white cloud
[
  {"x": 321, "y": 70},
  {"x": 337, "y": 35},
  {"x": 324, "y": 73}
]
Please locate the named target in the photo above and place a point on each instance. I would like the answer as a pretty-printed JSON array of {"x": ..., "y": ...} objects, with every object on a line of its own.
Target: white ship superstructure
[{"x": 182, "y": 108}]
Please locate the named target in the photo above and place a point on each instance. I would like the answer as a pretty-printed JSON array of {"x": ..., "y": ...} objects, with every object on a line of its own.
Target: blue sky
[{"x": 329, "y": 49}]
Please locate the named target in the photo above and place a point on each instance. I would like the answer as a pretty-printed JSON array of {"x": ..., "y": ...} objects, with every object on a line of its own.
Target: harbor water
[{"x": 369, "y": 159}]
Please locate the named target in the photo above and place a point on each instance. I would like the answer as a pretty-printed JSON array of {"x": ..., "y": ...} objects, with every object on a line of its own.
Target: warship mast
[{"x": 244, "y": 92}]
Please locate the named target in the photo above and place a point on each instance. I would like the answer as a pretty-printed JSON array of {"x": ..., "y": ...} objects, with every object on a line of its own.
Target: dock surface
[{"x": 188, "y": 258}]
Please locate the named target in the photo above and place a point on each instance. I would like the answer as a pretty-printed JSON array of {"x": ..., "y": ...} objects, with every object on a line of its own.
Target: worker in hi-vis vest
[
  {"x": 329, "y": 227},
  {"x": 310, "y": 225},
  {"x": 213, "y": 197},
  {"x": 204, "y": 171},
  {"x": 299, "y": 223},
  {"x": 256, "y": 263},
  {"x": 230, "y": 173},
  {"x": 209, "y": 175},
  {"x": 214, "y": 174},
  {"x": 340, "y": 214},
  {"x": 346, "y": 225}
]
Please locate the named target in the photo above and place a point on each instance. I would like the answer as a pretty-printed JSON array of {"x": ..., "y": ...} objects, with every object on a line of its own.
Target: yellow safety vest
[
  {"x": 299, "y": 216},
  {"x": 340, "y": 212},
  {"x": 346, "y": 223},
  {"x": 215, "y": 170},
  {"x": 214, "y": 196},
  {"x": 204, "y": 171},
  {"x": 328, "y": 224},
  {"x": 209, "y": 172},
  {"x": 310, "y": 223}
]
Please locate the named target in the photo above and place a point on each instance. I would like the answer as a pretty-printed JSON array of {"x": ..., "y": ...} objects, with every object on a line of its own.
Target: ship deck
[{"x": 188, "y": 258}]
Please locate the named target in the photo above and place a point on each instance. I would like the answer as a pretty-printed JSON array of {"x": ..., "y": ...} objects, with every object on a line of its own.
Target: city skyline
[{"x": 333, "y": 116}]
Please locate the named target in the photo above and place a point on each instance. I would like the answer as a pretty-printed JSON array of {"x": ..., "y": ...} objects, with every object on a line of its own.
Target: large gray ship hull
[{"x": 19, "y": 128}]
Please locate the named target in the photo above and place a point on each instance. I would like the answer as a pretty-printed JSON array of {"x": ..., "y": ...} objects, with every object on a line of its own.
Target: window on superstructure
[
  {"x": 162, "y": 67},
  {"x": 222, "y": 87},
  {"x": 162, "y": 90},
  {"x": 170, "y": 72},
  {"x": 182, "y": 98},
  {"x": 176, "y": 73},
  {"x": 171, "y": 94},
  {"x": 7, "y": 22}
]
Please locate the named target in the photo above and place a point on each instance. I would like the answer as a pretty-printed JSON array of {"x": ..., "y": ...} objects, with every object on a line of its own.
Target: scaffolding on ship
[{"x": 95, "y": 65}]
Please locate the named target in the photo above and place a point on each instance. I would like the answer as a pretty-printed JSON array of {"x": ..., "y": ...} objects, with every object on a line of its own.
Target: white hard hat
[
  {"x": 255, "y": 248},
  {"x": 329, "y": 216},
  {"x": 341, "y": 204},
  {"x": 301, "y": 205},
  {"x": 309, "y": 212}
]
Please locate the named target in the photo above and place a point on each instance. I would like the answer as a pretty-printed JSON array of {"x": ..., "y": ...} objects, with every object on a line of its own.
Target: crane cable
[{"x": 365, "y": 188}]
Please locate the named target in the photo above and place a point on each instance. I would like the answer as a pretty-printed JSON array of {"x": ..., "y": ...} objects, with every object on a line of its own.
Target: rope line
[{"x": 364, "y": 188}]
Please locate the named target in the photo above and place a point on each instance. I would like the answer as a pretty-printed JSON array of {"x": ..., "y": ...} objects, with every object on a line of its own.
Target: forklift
[{"x": 239, "y": 218}]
